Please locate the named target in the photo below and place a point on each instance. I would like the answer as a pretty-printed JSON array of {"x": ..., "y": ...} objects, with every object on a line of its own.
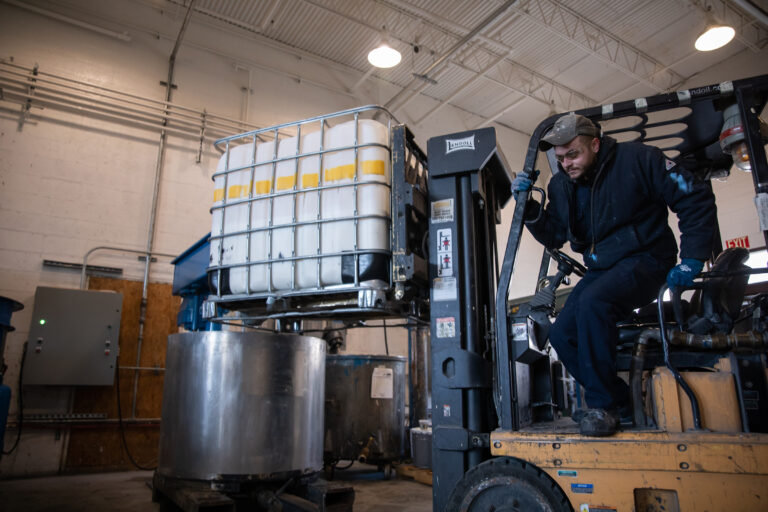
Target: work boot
[
  {"x": 625, "y": 415},
  {"x": 599, "y": 422}
]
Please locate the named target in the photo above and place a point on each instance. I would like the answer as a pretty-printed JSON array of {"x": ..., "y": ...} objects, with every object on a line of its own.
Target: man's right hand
[{"x": 522, "y": 182}]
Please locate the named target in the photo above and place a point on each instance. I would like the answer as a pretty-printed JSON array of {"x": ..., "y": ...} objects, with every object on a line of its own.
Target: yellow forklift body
[
  {"x": 688, "y": 471},
  {"x": 716, "y": 391}
]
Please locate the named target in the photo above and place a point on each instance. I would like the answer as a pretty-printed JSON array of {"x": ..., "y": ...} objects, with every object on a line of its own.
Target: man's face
[{"x": 578, "y": 156}]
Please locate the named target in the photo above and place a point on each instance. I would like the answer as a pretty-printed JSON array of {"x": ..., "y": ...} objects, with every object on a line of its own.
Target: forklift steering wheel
[{"x": 563, "y": 259}]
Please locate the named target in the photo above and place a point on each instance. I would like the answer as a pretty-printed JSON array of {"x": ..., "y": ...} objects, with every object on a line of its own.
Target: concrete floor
[{"x": 128, "y": 492}]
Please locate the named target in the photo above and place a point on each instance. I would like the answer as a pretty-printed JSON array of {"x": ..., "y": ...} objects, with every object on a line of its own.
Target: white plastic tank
[
  {"x": 301, "y": 219},
  {"x": 371, "y": 195},
  {"x": 308, "y": 199},
  {"x": 231, "y": 249},
  {"x": 262, "y": 187},
  {"x": 283, "y": 213}
]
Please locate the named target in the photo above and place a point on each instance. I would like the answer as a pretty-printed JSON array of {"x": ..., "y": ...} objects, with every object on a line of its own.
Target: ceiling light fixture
[
  {"x": 716, "y": 36},
  {"x": 384, "y": 56}
]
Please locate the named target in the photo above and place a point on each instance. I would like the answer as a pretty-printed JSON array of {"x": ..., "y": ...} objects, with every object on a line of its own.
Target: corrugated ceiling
[{"x": 543, "y": 54}]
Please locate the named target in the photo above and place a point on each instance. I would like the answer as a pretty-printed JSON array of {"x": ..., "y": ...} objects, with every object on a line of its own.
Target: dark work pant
[{"x": 585, "y": 334}]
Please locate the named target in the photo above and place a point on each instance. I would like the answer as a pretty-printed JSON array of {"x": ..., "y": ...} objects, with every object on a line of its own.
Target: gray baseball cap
[{"x": 566, "y": 129}]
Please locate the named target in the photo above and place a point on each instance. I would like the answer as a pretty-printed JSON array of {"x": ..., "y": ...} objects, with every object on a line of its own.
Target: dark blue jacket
[{"x": 631, "y": 187}]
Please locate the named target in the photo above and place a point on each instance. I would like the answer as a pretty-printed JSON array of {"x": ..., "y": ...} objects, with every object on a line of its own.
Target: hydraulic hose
[
  {"x": 719, "y": 341},
  {"x": 636, "y": 374},
  {"x": 679, "y": 378}
]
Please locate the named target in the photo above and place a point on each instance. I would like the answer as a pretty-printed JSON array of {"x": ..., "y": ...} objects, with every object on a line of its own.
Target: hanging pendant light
[
  {"x": 716, "y": 36},
  {"x": 384, "y": 56}
]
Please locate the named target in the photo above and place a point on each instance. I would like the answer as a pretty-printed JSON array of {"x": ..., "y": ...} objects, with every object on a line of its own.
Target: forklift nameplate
[
  {"x": 444, "y": 289},
  {"x": 442, "y": 211},
  {"x": 582, "y": 488}
]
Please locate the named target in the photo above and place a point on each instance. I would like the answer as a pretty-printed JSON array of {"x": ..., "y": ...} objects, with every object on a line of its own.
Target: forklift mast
[
  {"x": 469, "y": 184},
  {"x": 475, "y": 361}
]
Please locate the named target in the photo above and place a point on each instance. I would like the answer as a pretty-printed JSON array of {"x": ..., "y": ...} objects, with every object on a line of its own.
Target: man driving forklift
[{"x": 610, "y": 201}]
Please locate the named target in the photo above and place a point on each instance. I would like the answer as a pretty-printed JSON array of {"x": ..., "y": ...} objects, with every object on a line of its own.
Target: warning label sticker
[
  {"x": 444, "y": 240},
  {"x": 445, "y": 264},
  {"x": 520, "y": 331},
  {"x": 446, "y": 327},
  {"x": 444, "y": 288},
  {"x": 442, "y": 211},
  {"x": 761, "y": 202},
  {"x": 444, "y": 252},
  {"x": 382, "y": 383}
]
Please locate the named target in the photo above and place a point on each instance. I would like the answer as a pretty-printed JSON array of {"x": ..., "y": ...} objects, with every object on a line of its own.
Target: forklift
[{"x": 503, "y": 438}]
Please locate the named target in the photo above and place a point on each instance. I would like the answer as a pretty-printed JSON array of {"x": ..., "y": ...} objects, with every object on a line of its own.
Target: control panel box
[{"x": 73, "y": 337}]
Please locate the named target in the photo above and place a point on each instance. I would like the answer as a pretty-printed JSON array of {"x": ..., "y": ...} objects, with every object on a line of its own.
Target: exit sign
[{"x": 742, "y": 241}]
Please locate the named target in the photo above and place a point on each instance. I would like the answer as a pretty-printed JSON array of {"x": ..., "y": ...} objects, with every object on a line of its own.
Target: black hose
[
  {"x": 122, "y": 426},
  {"x": 679, "y": 378},
  {"x": 342, "y": 468},
  {"x": 386, "y": 342},
  {"x": 20, "y": 401},
  {"x": 636, "y": 375}
]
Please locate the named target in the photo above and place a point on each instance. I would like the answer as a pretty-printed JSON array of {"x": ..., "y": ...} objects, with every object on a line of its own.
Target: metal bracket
[
  {"x": 460, "y": 439},
  {"x": 27, "y": 105},
  {"x": 455, "y": 368},
  {"x": 202, "y": 136}
]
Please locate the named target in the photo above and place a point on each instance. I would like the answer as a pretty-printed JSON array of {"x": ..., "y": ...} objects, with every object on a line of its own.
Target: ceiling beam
[
  {"x": 462, "y": 88},
  {"x": 569, "y": 25},
  {"x": 398, "y": 101}
]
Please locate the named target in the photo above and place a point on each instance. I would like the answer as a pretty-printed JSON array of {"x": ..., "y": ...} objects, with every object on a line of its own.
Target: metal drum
[
  {"x": 364, "y": 408},
  {"x": 242, "y": 404}
]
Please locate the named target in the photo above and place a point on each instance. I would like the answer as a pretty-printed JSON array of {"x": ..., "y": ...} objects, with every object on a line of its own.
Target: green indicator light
[{"x": 42, "y": 321}]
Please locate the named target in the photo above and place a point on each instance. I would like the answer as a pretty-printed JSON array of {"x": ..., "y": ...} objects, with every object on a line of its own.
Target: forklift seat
[{"x": 716, "y": 306}]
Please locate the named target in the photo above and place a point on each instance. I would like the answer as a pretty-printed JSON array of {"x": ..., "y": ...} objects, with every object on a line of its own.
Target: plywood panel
[{"x": 100, "y": 448}]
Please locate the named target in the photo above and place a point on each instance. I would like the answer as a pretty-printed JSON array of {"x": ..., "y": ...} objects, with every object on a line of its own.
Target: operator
[{"x": 610, "y": 201}]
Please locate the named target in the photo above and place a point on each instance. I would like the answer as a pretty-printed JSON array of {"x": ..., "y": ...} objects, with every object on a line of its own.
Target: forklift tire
[{"x": 506, "y": 484}]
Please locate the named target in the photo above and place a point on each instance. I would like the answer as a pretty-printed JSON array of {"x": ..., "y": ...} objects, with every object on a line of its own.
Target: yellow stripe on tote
[
  {"x": 376, "y": 167},
  {"x": 263, "y": 186},
  {"x": 237, "y": 191},
  {"x": 285, "y": 182},
  {"x": 347, "y": 172},
  {"x": 310, "y": 180},
  {"x": 218, "y": 195},
  {"x": 342, "y": 172}
]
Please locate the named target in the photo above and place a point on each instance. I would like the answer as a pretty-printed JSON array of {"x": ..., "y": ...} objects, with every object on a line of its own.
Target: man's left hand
[{"x": 683, "y": 274}]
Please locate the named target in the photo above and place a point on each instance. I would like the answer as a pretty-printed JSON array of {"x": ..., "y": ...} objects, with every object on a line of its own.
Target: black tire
[{"x": 506, "y": 484}]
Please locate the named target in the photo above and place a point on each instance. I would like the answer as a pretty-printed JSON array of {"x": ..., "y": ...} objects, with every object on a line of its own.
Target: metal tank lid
[{"x": 365, "y": 357}]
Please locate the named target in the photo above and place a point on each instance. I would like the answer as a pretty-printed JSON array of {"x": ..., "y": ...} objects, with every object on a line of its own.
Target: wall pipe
[
  {"x": 47, "y": 82},
  {"x": 128, "y": 99},
  {"x": 51, "y": 93},
  {"x": 42, "y": 74},
  {"x": 155, "y": 196},
  {"x": 39, "y": 100},
  {"x": 117, "y": 249}
]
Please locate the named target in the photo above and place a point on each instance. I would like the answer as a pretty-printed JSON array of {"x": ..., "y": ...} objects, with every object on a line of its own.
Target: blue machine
[
  {"x": 190, "y": 282},
  {"x": 7, "y": 308}
]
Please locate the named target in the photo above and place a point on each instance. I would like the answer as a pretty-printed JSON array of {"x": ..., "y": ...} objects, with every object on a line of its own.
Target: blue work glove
[
  {"x": 522, "y": 183},
  {"x": 683, "y": 274}
]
